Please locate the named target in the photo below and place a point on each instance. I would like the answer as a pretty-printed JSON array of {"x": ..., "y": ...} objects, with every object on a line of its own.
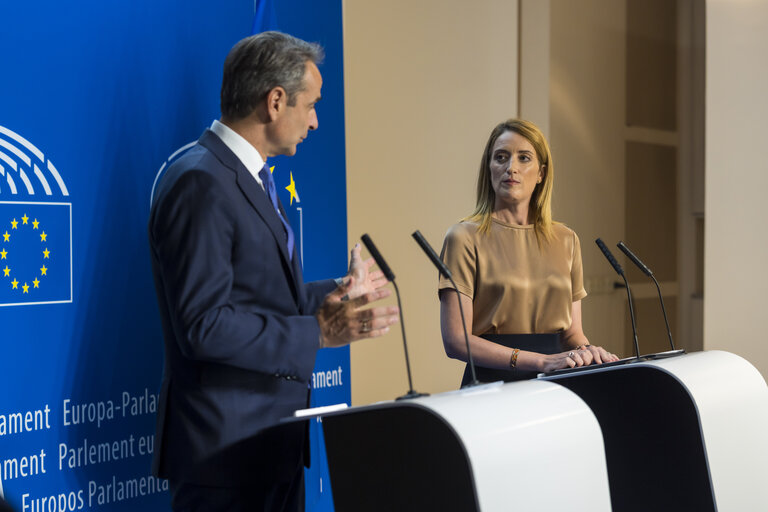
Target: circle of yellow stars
[{"x": 4, "y": 254}]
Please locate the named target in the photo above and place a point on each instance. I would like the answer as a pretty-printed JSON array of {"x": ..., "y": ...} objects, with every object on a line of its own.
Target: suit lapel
[{"x": 256, "y": 197}]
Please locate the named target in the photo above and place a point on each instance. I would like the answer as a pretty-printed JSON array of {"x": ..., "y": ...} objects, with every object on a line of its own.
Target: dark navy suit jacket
[{"x": 238, "y": 322}]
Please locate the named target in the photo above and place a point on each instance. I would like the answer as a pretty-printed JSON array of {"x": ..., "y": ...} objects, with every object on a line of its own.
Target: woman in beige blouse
[{"x": 517, "y": 271}]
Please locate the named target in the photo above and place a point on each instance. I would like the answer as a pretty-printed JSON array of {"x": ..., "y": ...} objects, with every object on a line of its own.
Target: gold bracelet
[{"x": 513, "y": 359}]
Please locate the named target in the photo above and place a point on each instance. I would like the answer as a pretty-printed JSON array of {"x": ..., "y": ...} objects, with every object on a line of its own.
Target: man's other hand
[{"x": 344, "y": 321}]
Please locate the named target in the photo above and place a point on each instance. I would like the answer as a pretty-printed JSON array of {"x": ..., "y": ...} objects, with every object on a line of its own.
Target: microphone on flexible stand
[
  {"x": 620, "y": 271},
  {"x": 447, "y": 273},
  {"x": 645, "y": 270},
  {"x": 391, "y": 278}
]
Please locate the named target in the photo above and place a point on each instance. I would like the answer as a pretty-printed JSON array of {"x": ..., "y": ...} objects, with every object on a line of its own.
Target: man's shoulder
[
  {"x": 197, "y": 176},
  {"x": 198, "y": 160},
  {"x": 209, "y": 154},
  {"x": 198, "y": 157}
]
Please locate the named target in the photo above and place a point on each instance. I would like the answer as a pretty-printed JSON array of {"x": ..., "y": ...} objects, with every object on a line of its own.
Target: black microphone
[
  {"x": 620, "y": 271},
  {"x": 378, "y": 257},
  {"x": 430, "y": 252},
  {"x": 447, "y": 273},
  {"x": 634, "y": 259},
  {"x": 391, "y": 278}
]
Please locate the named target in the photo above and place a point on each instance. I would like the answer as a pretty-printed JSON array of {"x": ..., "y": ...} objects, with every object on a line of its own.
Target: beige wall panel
[
  {"x": 651, "y": 210},
  {"x": 652, "y": 332},
  {"x": 534, "y": 62},
  {"x": 652, "y": 64},
  {"x": 587, "y": 126},
  {"x": 735, "y": 242},
  {"x": 425, "y": 81}
]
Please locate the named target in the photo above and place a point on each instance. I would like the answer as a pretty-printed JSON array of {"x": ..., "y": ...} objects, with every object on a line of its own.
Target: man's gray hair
[{"x": 258, "y": 64}]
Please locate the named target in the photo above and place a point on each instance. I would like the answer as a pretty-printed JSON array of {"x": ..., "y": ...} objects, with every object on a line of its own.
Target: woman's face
[{"x": 515, "y": 170}]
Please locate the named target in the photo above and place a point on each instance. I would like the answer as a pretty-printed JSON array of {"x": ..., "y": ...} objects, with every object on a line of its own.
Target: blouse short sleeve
[
  {"x": 460, "y": 256},
  {"x": 577, "y": 273}
]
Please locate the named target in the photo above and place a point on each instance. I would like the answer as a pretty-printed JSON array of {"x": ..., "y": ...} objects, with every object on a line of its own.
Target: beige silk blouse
[{"x": 515, "y": 287}]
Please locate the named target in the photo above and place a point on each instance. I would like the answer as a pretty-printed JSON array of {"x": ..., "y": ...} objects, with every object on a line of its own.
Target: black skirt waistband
[{"x": 541, "y": 343}]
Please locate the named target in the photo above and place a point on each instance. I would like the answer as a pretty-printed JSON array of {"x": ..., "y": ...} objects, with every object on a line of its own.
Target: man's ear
[{"x": 277, "y": 100}]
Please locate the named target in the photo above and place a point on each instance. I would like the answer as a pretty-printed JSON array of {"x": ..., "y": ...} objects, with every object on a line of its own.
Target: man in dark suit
[
  {"x": 4, "y": 506},
  {"x": 241, "y": 327}
]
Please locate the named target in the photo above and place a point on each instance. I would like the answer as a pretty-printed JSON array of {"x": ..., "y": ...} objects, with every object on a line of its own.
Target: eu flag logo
[{"x": 35, "y": 253}]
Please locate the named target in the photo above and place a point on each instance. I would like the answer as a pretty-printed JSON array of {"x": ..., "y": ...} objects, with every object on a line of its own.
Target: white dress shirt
[{"x": 241, "y": 148}]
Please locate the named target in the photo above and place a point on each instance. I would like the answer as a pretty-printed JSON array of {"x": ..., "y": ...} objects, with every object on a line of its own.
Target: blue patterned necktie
[{"x": 269, "y": 187}]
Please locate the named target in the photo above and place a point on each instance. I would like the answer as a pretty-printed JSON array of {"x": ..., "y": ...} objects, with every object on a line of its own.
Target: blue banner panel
[
  {"x": 95, "y": 98},
  {"x": 312, "y": 188}
]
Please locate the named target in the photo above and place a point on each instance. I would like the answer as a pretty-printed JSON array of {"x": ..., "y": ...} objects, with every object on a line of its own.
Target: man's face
[{"x": 294, "y": 122}]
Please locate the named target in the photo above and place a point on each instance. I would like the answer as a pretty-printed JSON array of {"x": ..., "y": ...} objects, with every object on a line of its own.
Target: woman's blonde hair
[{"x": 541, "y": 200}]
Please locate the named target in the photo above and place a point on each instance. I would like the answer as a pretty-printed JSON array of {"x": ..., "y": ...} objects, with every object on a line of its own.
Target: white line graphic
[
  {"x": 13, "y": 149},
  {"x": 43, "y": 181},
  {"x": 24, "y": 142},
  {"x": 25, "y": 158},
  {"x": 11, "y": 184},
  {"x": 27, "y": 183},
  {"x": 301, "y": 232},
  {"x": 58, "y": 179},
  {"x": 162, "y": 168},
  {"x": 10, "y": 161}
]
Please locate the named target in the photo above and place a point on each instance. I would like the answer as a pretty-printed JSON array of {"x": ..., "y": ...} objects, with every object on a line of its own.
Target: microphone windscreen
[
  {"x": 436, "y": 261},
  {"x": 634, "y": 259},
  {"x": 377, "y": 257},
  {"x": 609, "y": 257}
]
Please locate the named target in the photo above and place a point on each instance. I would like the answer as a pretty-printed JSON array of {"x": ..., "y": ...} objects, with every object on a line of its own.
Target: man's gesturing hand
[
  {"x": 344, "y": 321},
  {"x": 366, "y": 281}
]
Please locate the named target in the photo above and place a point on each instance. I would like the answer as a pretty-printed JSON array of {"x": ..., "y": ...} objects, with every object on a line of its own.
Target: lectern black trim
[
  {"x": 654, "y": 448},
  {"x": 402, "y": 458}
]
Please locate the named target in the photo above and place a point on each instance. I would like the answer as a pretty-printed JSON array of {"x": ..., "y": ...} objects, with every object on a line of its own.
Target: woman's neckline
[{"x": 514, "y": 226}]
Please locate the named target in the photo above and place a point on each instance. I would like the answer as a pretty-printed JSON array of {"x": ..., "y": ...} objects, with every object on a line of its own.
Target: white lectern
[
  {"x": 683, "y": 433},
  {"x": 528, "y": 445}
]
